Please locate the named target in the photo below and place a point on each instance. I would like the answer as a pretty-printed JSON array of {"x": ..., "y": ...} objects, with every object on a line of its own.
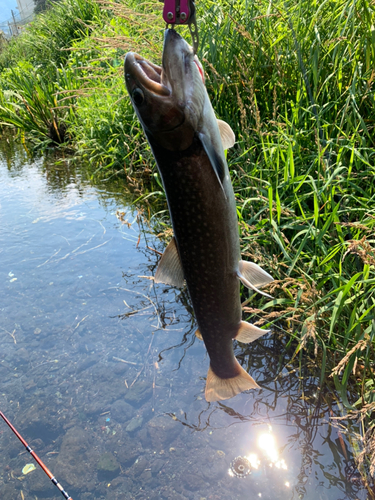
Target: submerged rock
[
  {"x": 108, "y": 466},
  {"x": 157, "y": 466},
  {"x": 87, "y": 363},
  {"x": 40, "y": 422},
  {"x": 9, "y": 492},
  {"x": 134, "y": 424},
  {"x": 139, "y": 466},
  {"x": 122, "y": 411},
  {"x": 77, "y": 460},
  {"x": 129, "y": 452},
  {"x": 39, "y": 484},
  {"x": 162, "y": 430},
  {"x": 193, "y": 482},
  {"x": 140, "y": 391}
]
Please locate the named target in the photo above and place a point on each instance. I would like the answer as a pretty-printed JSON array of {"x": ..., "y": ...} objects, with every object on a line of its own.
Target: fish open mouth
[{"x": 149, "y": 75}]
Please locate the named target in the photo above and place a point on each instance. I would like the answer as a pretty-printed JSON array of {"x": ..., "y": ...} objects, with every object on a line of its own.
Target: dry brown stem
[
  {"x": 359, "y": 346},
  {"x": 310, "y": 326},
  {"x": 363, "y": 249}
]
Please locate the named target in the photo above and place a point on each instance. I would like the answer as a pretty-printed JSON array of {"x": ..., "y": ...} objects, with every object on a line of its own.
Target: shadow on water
[{"x": 103, "y": 375}]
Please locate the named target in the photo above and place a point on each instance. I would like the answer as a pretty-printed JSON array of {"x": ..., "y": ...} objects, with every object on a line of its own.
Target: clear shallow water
[{"x": 102, "y": 374}]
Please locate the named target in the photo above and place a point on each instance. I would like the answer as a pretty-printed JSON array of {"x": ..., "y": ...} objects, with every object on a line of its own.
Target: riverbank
[{"x": 296, "y": 85}]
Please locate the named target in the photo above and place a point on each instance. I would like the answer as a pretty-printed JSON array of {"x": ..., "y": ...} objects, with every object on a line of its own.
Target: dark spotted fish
[{"x": 188, "y": 143}]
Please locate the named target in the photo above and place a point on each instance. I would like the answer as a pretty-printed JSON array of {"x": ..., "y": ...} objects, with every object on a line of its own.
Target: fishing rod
[{"x": 37, "y": 459}]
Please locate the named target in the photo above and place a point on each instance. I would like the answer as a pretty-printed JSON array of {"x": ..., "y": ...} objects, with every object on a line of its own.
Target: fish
[{"x": 189, "y": 143}]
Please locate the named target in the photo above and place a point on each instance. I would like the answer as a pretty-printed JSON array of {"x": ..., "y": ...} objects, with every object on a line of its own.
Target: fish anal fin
[
  {"x": 170, "y": 270},
  {"x": 218, "y": 388},
  {"x": 227, "y": 135},
  {"x": 248, "y": 333},
  {"x": 198, "y": 334},
  {"x": 253, "y": 276}
]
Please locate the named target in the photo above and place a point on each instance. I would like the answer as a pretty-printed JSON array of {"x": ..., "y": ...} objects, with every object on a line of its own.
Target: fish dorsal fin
[
  {"x": 218, "y": 388},
  {"x": 216, "y": 162},
  {"x": 248, "y": 333},
  {"x": 170, "y": 270},
  {"x": 253, "y": 276},
  {"x": 227, "y": 135}
]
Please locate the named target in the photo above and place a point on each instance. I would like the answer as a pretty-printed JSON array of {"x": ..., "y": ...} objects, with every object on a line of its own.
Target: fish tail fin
[{"x": 218, "y": 388}]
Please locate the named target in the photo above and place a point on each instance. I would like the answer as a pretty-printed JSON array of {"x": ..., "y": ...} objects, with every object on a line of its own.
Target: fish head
[{"x": 169, "y": 100}]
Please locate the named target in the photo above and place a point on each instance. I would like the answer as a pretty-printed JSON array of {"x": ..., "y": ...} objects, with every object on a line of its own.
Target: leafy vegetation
[
  {"x": 41, "y": 5},
  {"x": 296, "y": 83}
]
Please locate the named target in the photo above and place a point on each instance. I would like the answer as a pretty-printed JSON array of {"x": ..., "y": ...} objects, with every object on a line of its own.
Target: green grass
[
  {"x": 47, "y": 38},
  {"x": 30, "y": 103},
  {"x": 295, "y": 82},
  {"x": 33, "y": 77}
]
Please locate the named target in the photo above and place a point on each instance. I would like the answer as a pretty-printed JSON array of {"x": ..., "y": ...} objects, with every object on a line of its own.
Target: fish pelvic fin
[
  {"x": 248, "y": 333},
  {"x": 253, "y": 276},
  {"x": 218, "y": 388},
  {"x": 198, "y": 334},
  {"x": 170, "y": 270}
]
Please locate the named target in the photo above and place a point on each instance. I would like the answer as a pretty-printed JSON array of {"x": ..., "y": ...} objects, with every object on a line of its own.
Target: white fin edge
[
  {"x": 252, "y": 287},
  {"x": 248, "y": 333},
  {"x": 170, "y": 270},
  {"x": 251, "y": 275},
  {"x": 227, "y": 135},
  {"x": 218, "y": 388},
  {"x": 254, "y": 273}
]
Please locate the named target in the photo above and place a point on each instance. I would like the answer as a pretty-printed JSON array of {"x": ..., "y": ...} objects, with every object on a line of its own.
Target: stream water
[{"x": 102, "y": 374}]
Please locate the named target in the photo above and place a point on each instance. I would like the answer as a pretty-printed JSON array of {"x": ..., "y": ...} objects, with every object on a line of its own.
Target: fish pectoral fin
[
  {"x": 248, "y": 333},
  {"x": 253, "y": 276},
  {"x": 170, "y": 270},
  {"x": 227, "y": 135},
  {"x": 198, "y": 334},
  {"x": 215, "y": 160},
  {"x": 218, "y": 388}
]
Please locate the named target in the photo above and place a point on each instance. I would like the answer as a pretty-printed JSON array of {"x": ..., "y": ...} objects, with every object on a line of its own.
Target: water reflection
[{"x": 103, "y": 375}]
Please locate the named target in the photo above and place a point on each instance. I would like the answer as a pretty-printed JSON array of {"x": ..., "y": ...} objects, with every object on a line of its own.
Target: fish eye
[{"x": 138, "y": 96}]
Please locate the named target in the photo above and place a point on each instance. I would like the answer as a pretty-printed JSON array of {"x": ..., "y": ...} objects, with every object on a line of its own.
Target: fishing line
[{"x": 37, "y": 459}]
